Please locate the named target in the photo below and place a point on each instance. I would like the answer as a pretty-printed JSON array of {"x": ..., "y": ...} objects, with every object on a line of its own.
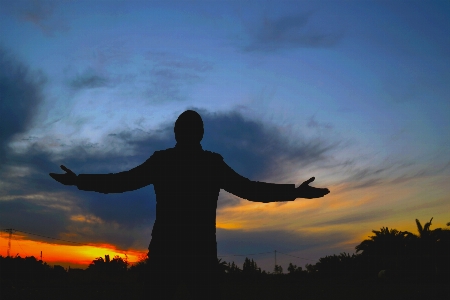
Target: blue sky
[{"x": 352, "y": 92}]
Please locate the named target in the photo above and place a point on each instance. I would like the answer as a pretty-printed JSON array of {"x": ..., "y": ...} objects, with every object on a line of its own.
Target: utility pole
[
  {"x": 10, "y": 231},
  {"x": 275, "y": 259}
]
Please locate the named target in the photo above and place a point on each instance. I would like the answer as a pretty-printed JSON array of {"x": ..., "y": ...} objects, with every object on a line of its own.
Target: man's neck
[{"x": 189, "y": 146}]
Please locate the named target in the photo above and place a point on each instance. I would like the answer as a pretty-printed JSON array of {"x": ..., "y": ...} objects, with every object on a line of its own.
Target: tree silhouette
[
  {"x": 233, "y": 269},
  {"x": 385, "y": 249},
  {"x": 293, "y": 269},
  {"x": 278, "y": 269},
  {"x": 423, "y": 256},
  {"x": 342, "y": 266},
  {"x": 432, "y": 250},
  {"x": 105, "y": 269},
  {"x": 250, "y": 267},
  {"x": 443, "y": 254},
  {"x": 296, "y": 272},
  {"x": 424, "y": 232}
]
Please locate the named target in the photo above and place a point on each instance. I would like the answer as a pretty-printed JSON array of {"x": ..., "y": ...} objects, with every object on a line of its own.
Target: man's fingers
[
  {"x": 66, "y": 170},
  {"x": 309, "y": 181}
]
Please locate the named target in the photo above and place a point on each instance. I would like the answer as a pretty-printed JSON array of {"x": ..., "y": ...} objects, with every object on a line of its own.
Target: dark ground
[{"x": 271, "y": 287}]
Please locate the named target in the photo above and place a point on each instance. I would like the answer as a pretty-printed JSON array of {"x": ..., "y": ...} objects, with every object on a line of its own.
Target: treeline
[{"x": 389, "y": 255}]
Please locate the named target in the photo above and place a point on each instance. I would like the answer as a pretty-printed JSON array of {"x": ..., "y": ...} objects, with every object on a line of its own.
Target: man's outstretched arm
[
  {"x": 268, "y": 192},
  {"x": 133, "y": 179}
]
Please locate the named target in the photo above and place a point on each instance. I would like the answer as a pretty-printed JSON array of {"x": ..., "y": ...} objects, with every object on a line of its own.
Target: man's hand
[
  {"x": 309, "y": 192},
  {"x": 69, "y": 178}
]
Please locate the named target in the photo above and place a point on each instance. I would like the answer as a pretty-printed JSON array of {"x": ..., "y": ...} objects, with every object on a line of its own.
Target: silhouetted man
[{"x": 187, "y": 181}]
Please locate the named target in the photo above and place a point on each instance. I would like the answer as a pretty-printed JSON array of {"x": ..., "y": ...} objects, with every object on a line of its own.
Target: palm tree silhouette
[
  {"x": 426, "y": 239},
  {"x": 385, "y": 249},
  {"x": 222, "y": 265},
  {"x": 432, "y": 249},
  {"x": 424, "y": 232}
]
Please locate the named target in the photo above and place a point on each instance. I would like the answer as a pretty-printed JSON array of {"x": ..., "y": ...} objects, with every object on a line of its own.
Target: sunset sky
[{"x": 355, "y": 93}]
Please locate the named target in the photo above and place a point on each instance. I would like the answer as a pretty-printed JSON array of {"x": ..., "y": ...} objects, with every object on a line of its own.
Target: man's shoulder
[
  {"x": 213, "y": 154},
  {"x": 168, "y": 153},
  {"x": 159, "y": 154},
  {"x": 164, "y": 151}
]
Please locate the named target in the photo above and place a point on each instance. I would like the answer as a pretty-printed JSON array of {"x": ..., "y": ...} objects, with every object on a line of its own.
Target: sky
[{"x": 355, "y": 93}]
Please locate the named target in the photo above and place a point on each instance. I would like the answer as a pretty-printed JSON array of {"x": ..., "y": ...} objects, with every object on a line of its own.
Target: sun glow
[{"x": 66, "y": 255}]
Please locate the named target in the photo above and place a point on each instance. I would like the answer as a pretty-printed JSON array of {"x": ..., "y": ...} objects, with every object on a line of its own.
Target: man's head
[{"x": 189, "y": 128}]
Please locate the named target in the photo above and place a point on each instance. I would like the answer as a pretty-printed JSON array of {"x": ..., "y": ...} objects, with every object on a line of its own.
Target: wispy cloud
[
  {"x": 39, "y": 13},
  {"x": 392, "y": 172},
  {"x": 88, "y": 79},
  {"x": 290, "y": 31},
  {"x": 256, "y": 149},
  {"x": 169, "y": 76},
  {"x": 30, "y": 215},
  {"x": 360, "y": 217},
  {"x": 241, "y": 241}
]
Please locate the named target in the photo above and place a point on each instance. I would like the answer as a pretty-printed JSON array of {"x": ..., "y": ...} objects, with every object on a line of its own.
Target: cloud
[
  {"x": 27, "y": 215},
  {"x": 254, "y": 149},
  {"x": 251, "y": 147},
  {"x": 168, "y": 60},
  {"x": 313, "y": 123},
  {"x": 389, "y": 172},
  {"x": 30, "y": 200},
  {"x": 88, "y": 79},
  {"x": 257, "y": 241},
  {"x": 289, "y": 32},
  {"x": 360, "y": 217},
  {"x": 257, "y": 150},
  {"x": 170, "y": 76},
  {"x": 39, "y": 13},
  {"x": 20, "y": 94}
]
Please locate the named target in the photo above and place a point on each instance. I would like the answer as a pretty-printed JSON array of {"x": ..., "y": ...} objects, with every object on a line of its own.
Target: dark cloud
[
  {"x": 41, "y": 14},
  {"x": 289, "y": 32},
  {"x": 168, "y": 60},
  {"x": 235, "y": 241},
  {"x": 31, "y": 201},
  {"x": 255, "y": 149},
  {"x": 20, "y": 94},
  {"x": 313, "y": 123},
  {"x": 27, "y": 215},
  {"x": 251, "y": 147},
  {"x": 88, "y": 79}
]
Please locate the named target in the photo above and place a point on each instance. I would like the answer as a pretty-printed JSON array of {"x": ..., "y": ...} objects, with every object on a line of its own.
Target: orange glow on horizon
[{"x": 65, "y": 255}]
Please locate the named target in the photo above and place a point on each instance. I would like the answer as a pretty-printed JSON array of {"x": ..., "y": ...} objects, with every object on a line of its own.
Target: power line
[
  {"x": 9, "y": 230},
  {"x": 48, "y": 237},
  {"x": 244, "y": 254},
  {"x": 295, "y": 256},
  {"x": 21, "y": 246}
]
